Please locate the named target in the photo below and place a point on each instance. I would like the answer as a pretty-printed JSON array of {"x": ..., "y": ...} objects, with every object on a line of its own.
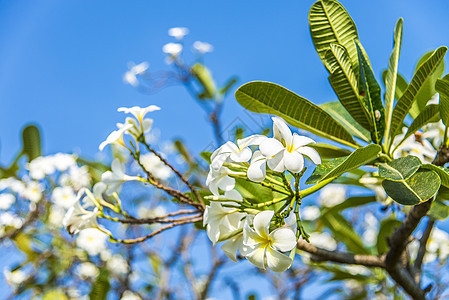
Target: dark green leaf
[
  {"x": 400, "y": 169},
  {"x": 420, "y": 187},
  {"x": 101, "y": 286},
  {"x": 228, "y": 85},
  {"x": 351, "y": 203},
  {"x": 31, "y": 142},
  {"x": 442, "y": 87},
  {"x": 327, "y": 151},
  {"x": 266, "y": 97},
  {"x": 386, "y": 229},
  {"x": 342, "y": 165},
  {"x": 442, "y": 172}
]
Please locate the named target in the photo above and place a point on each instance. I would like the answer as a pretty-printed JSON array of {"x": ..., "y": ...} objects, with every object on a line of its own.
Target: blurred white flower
[
  {"x": 148, "y": 213},
  {"x": 130, "y": 76},
  {"x": 128, "y": 295},
  {"x": 435, "y": 133},
  {"x": 264, "y": 248},
  {"x": 63, "y": 196},
  {"x": 173, "y": 49},
  {"x": 40, "y": 167},
  {"x": 117, "y": 265},
  {"x": 332, "y": 195},
  {"x": 6, "y": 200},
  {"x": 155, "y": 166},
  {"x": 76, "y": 177},
  {"x": 116, "y": 137},
  {"x": 92, "y": 240},
  {"x": 63, "y": 161},
  {"x": 87, "y": 270},
  {"x": 178, "y": 32},
  {"x": 437, "y": 246},
  {"x": 323, "y": 240},
  {"x": 414, "y": 145},
  {"x": 10, "y": 219},
  {"x": 310, "y": 213},
  {"x": 15, "y": 185},
  {"x": 33, "y": 191},
  {"x": 202, "y": 47},
  {"x": 114, "y": 179},
  {"x": 56, "y": 216},
  {"x": 14, "y": 278}
]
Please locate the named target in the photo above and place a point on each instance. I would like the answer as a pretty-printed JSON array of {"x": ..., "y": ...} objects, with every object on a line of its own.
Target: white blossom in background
[
  {"x": 63, "y": 196},
  {"x": 323, "y": 240},
  {"x": 6, "y": 200},
  {"x": 178, "y": 32},
  {"x": 33, "y": 191},
  {"x": 437, "y": 246},
  {"x": 202, "y": 47},
  {"x": 434, "y": 132},
  {"x": 13, "y": 184},
  {"x": 130, "y": 77},
  {"x": 265, "y": 248},
  {"x": 114, "y": 179},
  {"x": 117, "y": 265},
  {"x": 128, "y": 295},
  {"x": 40, "y": 167},
  {"x": 414, "y": 145},
  {"x": 14, "y": 278},
  {"x": 56, "y": 216},
  {"x": 155, "y": 166},
  {"x": 332, "y": 195},
  {"x": 76, "y": 177},
  {"x": 148, "y": 213},
  {"x": 9, "y": 219},
  {"x": 115, "y": 137},
  {"x": 172, "y": 49},
  {"x": 92, "y": 240},
  {"x": 370, "y": 226},
  {"x": 87, "y": 270},
  {"x": 310, "y": 213}
]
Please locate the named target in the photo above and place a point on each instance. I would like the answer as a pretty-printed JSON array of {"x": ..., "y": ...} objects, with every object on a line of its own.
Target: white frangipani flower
[
  {"x": 202, "y": 47},
  {"x": 116, "y": 137},
  {"x": 114, "y": 179},
  {"x": 178, "y": 32},
  {"x": 310, "y": 213},
  {"x": 235, "y": 153},
  {"x": 437, "y": 246},
  {"x": 130, "y": 76},
  {"x": 172, "y": 49},
  {"x": 414, "y": 145},
  {"x": 222, "y": 220},
  {"x": 435, "y": 133},
  {"x": 78, "y": 217},
  {"x": 323, "y": 240},
  {"x": 6, "y": 200},
  {"x": 92, "y": 240},
  {"x": 14, "y": 278},
  {"x": 332, "y": 195},
  {"x": 63, "y": 196},
  {"x": 33, "y": 191},
  {"x": 128, "y": 295},
  {"x": 257, "y": 169},
  {"x": 285, "y": 150},
  {"x": 117, "y": 265},
  {"x": 87, "y": 270},
  {"x": 153, "y": 164},
  {"x": 219, "y": 180},
  {"x": 264, "y": 248},
  {"x": 139, "y": 112}
]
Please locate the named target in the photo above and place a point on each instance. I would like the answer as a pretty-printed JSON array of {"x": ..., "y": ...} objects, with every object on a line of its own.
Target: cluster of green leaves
[{"x": 361, "y": 119}]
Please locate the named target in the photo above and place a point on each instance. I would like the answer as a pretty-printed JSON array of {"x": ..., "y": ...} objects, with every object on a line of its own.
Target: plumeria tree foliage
[{"x": 374, "y": 161}]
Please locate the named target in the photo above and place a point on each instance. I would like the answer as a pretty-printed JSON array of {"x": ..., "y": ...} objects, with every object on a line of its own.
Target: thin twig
[{"x": 422, "y": 249}]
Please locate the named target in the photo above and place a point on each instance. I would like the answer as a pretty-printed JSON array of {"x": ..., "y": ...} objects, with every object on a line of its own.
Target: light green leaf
[
  {"x": 386, "y": 229},
  {"x": 327, "y": 151},
  {"x": 342, "y": 165},
  {"x": 266, "y": 97},
  {"x": 330, "y": 23},
  {"x": 441, "y": 171},
  {"x": 339, "y": 113},
  {"x": 391, "y": 78},
  {"x": 442, "y": 87},
  {"x": 31, "y": 139},
  {"x": 228, "y": 85},
  {"x": 253, "y": 192},
  {"x": 204, "y": 77},
  {"x": 101, "y": 286},
  {"x": 400, "y": 169},
  {"x": 351, "y": 203},
  {"x": 428, "y": 115},
  {"x": 438, "y": 210},
  {"x": 420, "y": 187},
  {"x": 401, "y": 84},
  {"x": 344, "y": 83},
  {"x": 404, "y": 104},
  {"x": 373, "y": 99}
]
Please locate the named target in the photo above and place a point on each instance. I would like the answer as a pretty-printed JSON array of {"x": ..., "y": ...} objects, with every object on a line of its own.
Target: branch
[
  {"x": 422, "y": 249},
  {"x": 341, "y": 257}
]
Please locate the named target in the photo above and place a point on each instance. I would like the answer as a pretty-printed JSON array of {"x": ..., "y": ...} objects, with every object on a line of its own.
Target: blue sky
[{"x": 62, "y": 62}]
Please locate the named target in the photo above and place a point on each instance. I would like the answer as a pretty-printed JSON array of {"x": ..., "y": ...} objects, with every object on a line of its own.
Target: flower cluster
[{"x": 263, "y": 236}]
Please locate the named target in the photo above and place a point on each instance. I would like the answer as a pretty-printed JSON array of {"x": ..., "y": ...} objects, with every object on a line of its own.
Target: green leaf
[
  {"x": 428, "y": 115},
  {"x": 101, "y": 286},
  {"x": 425, "y": 71},
  {"x": 342, "y": 165},
  {"x": 420, "y": 187},
  {"x": 401, "y": 84},
  {"x": 344, "y": 83},
  {"x": 400, "y": 169},
  {"x": 386, "y": 229},
  {"x": 206, "y": 156},
  {"x": 442, "y": 172},
  {"x": 228, "y": 85},
  {"x": 351, "y": 203},
  {"x": 253, "y": 192},
  {"x": 327, "y": 151},
  {"x": 428, "y": 89},
  {"x": 442, "y": 87},
  {"x": 391, "y": 78},
  {"x": 204, "y": 77},
  {"x": 373, "y": 100},
  {"x": 339, "y": 113},
  {"x": 266, "y": 97},
  {"x": 438, "y": 210},
  {"x": 330, "y": 23},
  {"x": 31, "y": 139}
]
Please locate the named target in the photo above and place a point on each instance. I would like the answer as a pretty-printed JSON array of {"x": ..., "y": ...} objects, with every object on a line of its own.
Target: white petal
[
  {"x": 241, "y": 156},
  {"x": 218, "y": 161},
  {"x": 277, "y": 162},
  {"x": 257, "y": 171},
  {"x": 293, "y": 161},
  {"x": 226, "y": 183},
  {"x": 213, "y": 233},
  {"x": 251, "y": 140},
  {"x": 291, "y": 222},
  {"x": 117, "y": 168},
  {"x": 230, "y": 248},
  {"x": 299, "y": 141},
  {"x": 256, "y": 256},
  {"x": 250, "y": 237},
  {"x": 281, "y": 130},
  {"x": 283, "y": 239},
  {"x": 310, "y": 153},
  {"x": 262, "y": 223},
  {"x": 270, "y": 147},
  {"x": 276, "y": 261},
  {"x": 234, "y": 195}
]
